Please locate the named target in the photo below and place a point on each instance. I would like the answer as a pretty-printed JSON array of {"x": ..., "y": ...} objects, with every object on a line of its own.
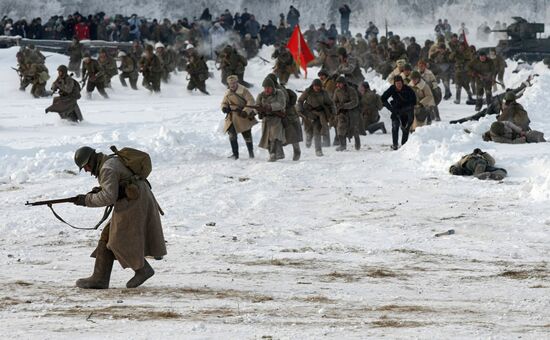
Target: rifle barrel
[{"x": 56, "y": 201}]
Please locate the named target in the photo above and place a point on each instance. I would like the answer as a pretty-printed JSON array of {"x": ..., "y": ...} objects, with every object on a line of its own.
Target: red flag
[{"x": 299, "y": 49}]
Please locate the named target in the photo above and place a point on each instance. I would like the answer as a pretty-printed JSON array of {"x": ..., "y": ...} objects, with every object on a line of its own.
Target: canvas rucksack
[{"x": 137, "y": 161}]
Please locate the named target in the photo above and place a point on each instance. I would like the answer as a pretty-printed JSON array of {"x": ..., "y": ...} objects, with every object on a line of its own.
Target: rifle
[
  {"x": 264, "y": 60},
  {"x": 50, "y": 204},
  {"x": 261, "y": 110}
]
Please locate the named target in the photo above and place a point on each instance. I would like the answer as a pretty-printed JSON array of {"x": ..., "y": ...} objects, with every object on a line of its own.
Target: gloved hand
[
  {"x": 95, "y": 190},
  {"x": 242, "y": 114},
  {"x": 80, "y": 200},
  {"x": 226, "y": 109}
]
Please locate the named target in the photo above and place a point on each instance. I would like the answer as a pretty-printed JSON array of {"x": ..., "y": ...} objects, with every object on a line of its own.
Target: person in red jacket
[{"x": 82, "y": 31}]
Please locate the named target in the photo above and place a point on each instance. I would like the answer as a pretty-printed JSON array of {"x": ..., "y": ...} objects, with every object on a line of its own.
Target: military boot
[
  {"x": 102, "y": 269},
  {"x": 272, "y": 152},
  {"x": 250, "y": 148},
  {"x": 336, "y": 141},
  {"x": 309, "y": 138},
  {"x": 123, "y": 81},
  {"x": 279, "y": 151},
  {"x": 470, "y": 96},
  {"x": 343, "y": 143},
  {"x": 141, "y": 275},
  {"x": 377, "y": 126},
  {"x": 317, "y": 143},
  {"x": 297, "y": 152},
  {"x": 326, "y": 139},
  {"x": 458, "y": 93},
  {"x": 479, "y": 104},
  {"x": 357, "y": 142},
  {"x": 234, "y": 149}
]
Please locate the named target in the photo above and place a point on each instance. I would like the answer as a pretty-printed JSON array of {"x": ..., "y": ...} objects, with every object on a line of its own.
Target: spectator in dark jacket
[
  {"x": 345, "y": 12},
  {"x": 252, "y": 27}
]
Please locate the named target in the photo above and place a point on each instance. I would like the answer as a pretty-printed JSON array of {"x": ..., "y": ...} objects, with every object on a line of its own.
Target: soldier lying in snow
[{"x": 478, "y": 164}]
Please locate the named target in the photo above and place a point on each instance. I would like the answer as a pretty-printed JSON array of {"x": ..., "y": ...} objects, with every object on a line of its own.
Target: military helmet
[
  {"x": 455, "y": 170},
  {"x": 63, "y": 69},
  {"x": 510, "y": 96},
  {"x": 317, "y": 82},
  {"x": 268, "y": 83},
  {"x": 322, "y": 73},
  {"x": 82, "y": 156},
  {"x": 273, "y": 78},
  {"x": 407, "y": 67},
  {"x": 482, "y": 53},
  {"x": 341, "y": 80},
  {"x": 497, "y": 128},
  {"x": 415, "y": 75}
]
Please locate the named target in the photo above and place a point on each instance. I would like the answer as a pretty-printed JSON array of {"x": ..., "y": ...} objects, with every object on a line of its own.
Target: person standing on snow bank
[
  {"x": 135, "y": 230},
  {"x": 69, "y": 92},
  {"x": 478, "y": 164}
]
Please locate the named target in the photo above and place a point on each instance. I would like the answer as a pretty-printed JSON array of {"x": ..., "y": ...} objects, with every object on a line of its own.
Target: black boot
[
  {"x": 250, "y": 148},
  {"x": 317, "y": 144},
  {"x": 309, "y": 138},
  {"x": 357, "y": 142},
  {"x": 377, "y": 126},
  {"x": 343, "y": 143},
  {"x": 102, "y": 269},
  {"x": 279, "y": 151},
  {"x": 458, "y": 93},
  {"x": 326, "y": 139},
  {"x": 297, "y": 152},
  {"x": 479, "y": 104},
  {"x": 234, "y": 149},
  {"x": 141, "y": 275},
  {"x": 336, "y": 141}
]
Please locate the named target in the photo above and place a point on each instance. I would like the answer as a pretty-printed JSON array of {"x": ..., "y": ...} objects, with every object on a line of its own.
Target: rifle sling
[{"x": 106, "y": 214}]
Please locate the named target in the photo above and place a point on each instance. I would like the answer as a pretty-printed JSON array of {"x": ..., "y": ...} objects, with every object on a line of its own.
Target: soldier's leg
[
  {"x": 357, "y": 140},
  {"x": 247, "y": 135},
  {"x": 375, "y": 127},
  {"x": 103, "y": 265},
  {"x": 325, "y": 134},
  {"x": 156, "y": 83},
  {"x": 479, "y": 95},
  {"x": 146, "y": 83},
  {"x": 233, "y": 141},
  {"x": 407, "y": 119},
  {"x": 336, "y": 141},
  {"x": 317, "y": 132},
  {"x": 342, "y": 128},
  {"x": 447, "y": 86},
  {"x": 272, "y": 151},
  {"x": 133, "y": 82},
  {"x": 191, "y": 84},
  {"x": 122, "y": 78},
  {"x": 308, "y": 128},
  {"x": 488, "y": 94},
  {"x": 101, "y": 90},
  {"x": 90, "y": 87},
  {"x": 296, "y": 151},
  {"x": 202, "y": 86}
]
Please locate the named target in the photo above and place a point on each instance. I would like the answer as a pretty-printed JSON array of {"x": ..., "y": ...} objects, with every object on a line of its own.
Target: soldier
[
  {"x": 165, "y": 61},
  {"x": 413, "y": 51},
  {"x": 108, "y": 64},
  {"x": 349, "y": 67},
  {"x": 151, "y": 69},
  {"x": 33, "y": 55},
  {"x": 290, "y": 120},
  {"x": 134, "y": 231},
  {"x": 128, "y": 70},
  {"x": 482, "y": 70},
  {"x": 76, "y": 51},
  {"x": 514, "y": 112},
  {"x": 93, "y": 76},
  {"x": 478, "y": 164},
  {"x": 69, "y": 92},
  {"x": 461, "y": 57},
  {"x": 38, "y": 74},
  {"x": 317, "y": 109},
  {"x": 430, "y": 79},
  {"x": 406, "y": 74},
  {"x": 425, "y": 103},
  {"x": 136, "y": 52},
  {"x": 198, "y": 73},
  {"x": 271, "y": 104},
  {"x": 401, "y": 108},
  {"x": 360, "y": 50},
  {"x": 232, "y": 63},
  {"x": 250, "y": 46},
  {"x": 500, "y": 67},
  {"x": 284, "y": 64},
  {"x": 329, "y": 85},
  {"x": 328, "y": 57},
  {"x": 509, "y": 133},
  {"x": 23, "y": 70},
  {"x": 348, "y": 114},
  {"x": 442, "y": 67},
  {"x": 236, "y": 104},
  {"x": 371, "y": 106}
]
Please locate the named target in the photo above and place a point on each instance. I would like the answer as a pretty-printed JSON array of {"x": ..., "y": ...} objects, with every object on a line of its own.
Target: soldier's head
[
  {"x": 149, "y": 51},
  {"x": 398, "y": 82},
  {"x": 407, "y": 69},
  {"x": 268, "y": 86},
  {"x": 412, "y": 40},
  {"x": 456, "y": 170},
  {"x": 441, "y": 46},
  {"x": 401, "y": 64},
  {"x": 497, "y": 129},
  {"x": 75, "y": 40},
  {"x": 364, "y": 87},
  {"x": 454, "y": 37},
  {"x": 159, "y": 47},
  {"x": 415, "y": 77},
  {"x": 422, "y": 65},
  {"x": 102, "y": 53},
  {"x": 316, "y": 85},
  {"x": 482, "y": 56},
  {"x": 342, "y": 54},
  {"x": 509, "y": 97},
  {"x": 62, "y": 71},
  {"x": 341, "y": 82},
  {"x": 273, "y": 78},
  {"x": 492, "y": 53},
  {"x": 85, "y": 158},
  {"x": 322, "y": 75},
  {"x": 233, "y": 82},
  {"x": 87, "y": 57}
]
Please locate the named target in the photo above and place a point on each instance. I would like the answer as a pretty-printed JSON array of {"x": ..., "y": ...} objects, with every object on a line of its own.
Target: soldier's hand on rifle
[
  {"x": 80, "y": 200},
  {"x": 226, "y": 109},
  {"x": 266, "y": 108},
  {"x": 241, "y": 113}
]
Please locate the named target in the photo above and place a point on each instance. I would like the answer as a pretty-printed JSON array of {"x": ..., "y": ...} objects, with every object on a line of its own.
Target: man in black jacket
[{"x": 401, "y": 108}]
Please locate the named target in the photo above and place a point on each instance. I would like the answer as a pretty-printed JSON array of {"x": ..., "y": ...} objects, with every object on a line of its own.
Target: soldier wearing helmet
[{"x": 69, "y": 92}]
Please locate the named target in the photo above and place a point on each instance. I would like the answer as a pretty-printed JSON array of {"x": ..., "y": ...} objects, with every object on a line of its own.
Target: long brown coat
[
  {"x": 348, "y": 112},
  {"x": 135, "y": 229},
  {"x": 272, "y": 125},
  {"x": 236, "y": 100},
  {"x": 516, "y": 114}
]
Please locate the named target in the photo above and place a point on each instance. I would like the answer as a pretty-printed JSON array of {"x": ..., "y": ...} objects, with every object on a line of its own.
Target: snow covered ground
[{"x": 340, "y": 247}]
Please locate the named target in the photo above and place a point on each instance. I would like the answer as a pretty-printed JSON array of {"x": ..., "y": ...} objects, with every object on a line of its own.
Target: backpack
[{"x": 138, "y": 162}]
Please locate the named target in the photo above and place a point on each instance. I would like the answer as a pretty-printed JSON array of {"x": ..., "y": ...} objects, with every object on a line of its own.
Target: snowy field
[{"x": 337, "y": 247}]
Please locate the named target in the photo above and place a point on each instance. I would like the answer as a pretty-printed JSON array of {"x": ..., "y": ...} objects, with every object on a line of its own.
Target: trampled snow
[{"x": 341, "y": 246}]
